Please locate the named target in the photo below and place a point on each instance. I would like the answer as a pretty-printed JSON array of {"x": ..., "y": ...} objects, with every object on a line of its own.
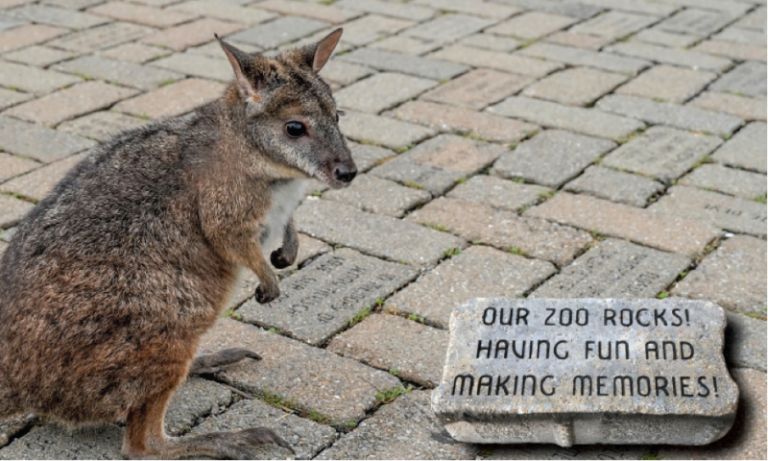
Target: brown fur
[{"x": 111, "y": 280}]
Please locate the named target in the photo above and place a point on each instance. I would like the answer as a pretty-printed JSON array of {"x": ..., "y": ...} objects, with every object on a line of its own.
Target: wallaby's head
[{"x": 289, "y": 112}]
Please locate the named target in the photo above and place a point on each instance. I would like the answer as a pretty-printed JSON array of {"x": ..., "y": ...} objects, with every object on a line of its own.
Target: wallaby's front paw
[
  {"x": 264, "y": 296},
  {"x": 279, "y": 261}
]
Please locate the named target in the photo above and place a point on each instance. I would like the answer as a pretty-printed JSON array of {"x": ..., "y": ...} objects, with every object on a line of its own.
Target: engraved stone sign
[{"x": 586, "y": 371}]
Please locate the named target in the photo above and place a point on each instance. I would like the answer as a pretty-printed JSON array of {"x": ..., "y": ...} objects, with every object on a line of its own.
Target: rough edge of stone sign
[{"x": 583, "y": 418}]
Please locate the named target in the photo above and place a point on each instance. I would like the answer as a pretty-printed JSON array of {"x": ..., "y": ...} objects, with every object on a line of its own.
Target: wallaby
[{"x": 111, "y": 280}]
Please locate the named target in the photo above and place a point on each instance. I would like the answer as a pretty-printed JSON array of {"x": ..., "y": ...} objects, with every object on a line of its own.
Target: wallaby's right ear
[{"x": 249, "y": 78}]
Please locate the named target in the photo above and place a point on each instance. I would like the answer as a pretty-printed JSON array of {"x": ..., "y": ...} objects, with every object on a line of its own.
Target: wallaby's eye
[{"x": 295, "y": 129}]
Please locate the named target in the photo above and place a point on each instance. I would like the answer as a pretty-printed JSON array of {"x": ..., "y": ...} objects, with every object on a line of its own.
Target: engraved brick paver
[
  {"x": 588, "y": 121},
  {"x": 660, "y": 37},
  {"x": 174, "y": 99},
  {"x": 551, "y": 157},
  {"x": 657, "y": 230},
  {"x": 28, "y": 34},
  {"x": 733, "y": 276},
  {"x": 191, "y": 34},
  {"x": 668, "y": 83},
  {"x": 532, "y": 25},
  {"x": 76, "y": 100},
  {"x": 614, "y": 24},
  {"x": 478, "y": 89},
  {"x": 505, "y": 230},
  {"x": 745, "y": 184},
  {"x": 576, "y": 86},
  {"x": 30, "y": 140},
  {"x": 409, "y": 349},
  {"x": 473, "y": 7},
  {"x": 381, "y": 91},
  {"x": 459, "y": 279},
  {"x": 748, "y": 79},
  {"x": 730, "y": 213},
  {"x": 482, "y": 125},
  {"x": 695, "y": 21},
  {"x": 616, "y": 186},
  {"x": 746, "y": 149}
]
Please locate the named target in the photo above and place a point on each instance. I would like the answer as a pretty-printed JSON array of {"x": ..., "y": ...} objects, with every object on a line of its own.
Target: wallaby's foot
[
  {"x": 217, "y": 445},
  {"x": 213, "y": 363},
  {"x": 265, "y": 295},
  {"x": 280, "y": 260}
]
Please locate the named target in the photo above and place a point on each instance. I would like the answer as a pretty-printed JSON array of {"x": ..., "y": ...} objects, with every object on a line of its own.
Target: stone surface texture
[
  {"x": 519, "y": 148},
  {"x": 568, "y": 410}
]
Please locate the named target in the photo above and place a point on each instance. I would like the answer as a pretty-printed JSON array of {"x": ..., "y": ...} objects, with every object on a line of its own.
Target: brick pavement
[{"x": 542, "y": 148}]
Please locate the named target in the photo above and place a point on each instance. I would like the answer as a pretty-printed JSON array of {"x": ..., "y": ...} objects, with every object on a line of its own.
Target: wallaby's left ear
[{"x": 318, "y": 54}]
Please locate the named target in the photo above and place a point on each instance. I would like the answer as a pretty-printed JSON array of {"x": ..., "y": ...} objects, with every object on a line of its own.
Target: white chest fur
[{"x": 285, "y": 196}]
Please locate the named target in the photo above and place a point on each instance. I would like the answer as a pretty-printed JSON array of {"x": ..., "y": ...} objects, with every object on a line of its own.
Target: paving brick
[
  {"x": 726, "y": 180},
  {"x": 551, "y": 158},
  {"x": 532, "y": 25},
  {"x": 588, "y": 121},
  {"x": 141, "y": 14},
  {"x": 748, "y": 78},
  {"x": 319, "y": 300},
  {"x": 730, "y": 213},
  {"x": 745, "y": 439},
  {"x": 101, "y": 126},
  {"x": 101, "y": 37},
  {"x": 11, "y": 166},
  {"x": 478, "y": 88},
  {"x": 327, "y": 13},
  {"x": 732, "y": 50},
  {"x": 695, "y": 22},
  {"x": 746, "y": 149},
  {"x": 742, "y": 36},
  {"x": 338, "y": 388},
  {"x": 733, "y": 276},
  {"x": 198, "y": 65},
  {"x": 29, "y": 34},
  {"x": 478, "y": 271},
  {"x": 70, "y": 4},
  {"x": 9, "y": 23},
  {"x": 382, "y": 91},
  {"x": 572, "y": 39},
  {"x": 214, "y": 49},
  {"x": 372, "y": 234},
  {"x": 667, "y": 83},
  {"x": 667, "y": 113},
  {"x": 578, "y": 86},
  {"x": 40, "y": 56},
  {"x": 650, "y": 7},
  {"x": 436, "y": 165},
  {"x": 371, "y": 28},
  {"x": 194, "y": 399},
  {"x": 756, "y": 19},
  {"x": 134, "y": 52},
  {"x": 478, "y": 124},
  {"x": 408, "y": 349},
  {"x": 740, "y": 106},
  {"x": 38, "y": 183},
  {"x": 225, "y": 11},
  {"x": 172, "y": 100},
  {"x": 614, "y": 24},
  {"x": 732, "y": 9},
  {"x": 657, "y": 230},
  {"x": 582, "y": 57},
  {"x": 283, "y": 30},
  {"x": 660, "y": 37},
  {"x": 12, "y": 210},
  {"x": 491, "y": 42},
  {"x": 344, "y": 73},
  {"x": 10, "y": 98},
  {"x": 745, "y": 342},
  {"x": 397, "y": 62},
  {"x": 33, "y": 79},
  {"x": 376, "y": 195},
  {"x": 59, "y": 17},
  {"x": 191, "y": 34},
  {"x": 499, "y": 193},
  {"x": 662, "y": 153},
  {"x": 404, "y": 44},
  {"x": 11, "y": 3},
  {"x": 44, "y": 144},
  {"x": 76, "y": 100},
  {"x": 505, "y": 230},
  {"x": 380, "y": 436},
  {"x": 672, "y": 56},
  {"x": 514, "y": 63},
  {"x": 408, "y": 11},
  {"x": 382, "y": 130},
  {"x": 449, "y": 27},
  {"x": 124, "y": 73},
  {"x": 615, "y": 269},
  {"x": 616, "y": 186},
  {"x": 579, "y": 10},
  {"x": 473, "y": 7},
  {"x": 367, "y": 156},
  {"x": 306, "y": 437}
]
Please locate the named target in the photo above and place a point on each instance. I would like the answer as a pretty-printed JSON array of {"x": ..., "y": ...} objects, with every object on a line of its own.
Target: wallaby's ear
[
  {"x": 249, "y": 79},
  {"x": 316, "y": 55}
]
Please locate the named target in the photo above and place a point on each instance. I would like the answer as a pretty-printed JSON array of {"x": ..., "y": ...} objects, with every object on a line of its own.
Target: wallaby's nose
[{"x": 345, "y": 173}]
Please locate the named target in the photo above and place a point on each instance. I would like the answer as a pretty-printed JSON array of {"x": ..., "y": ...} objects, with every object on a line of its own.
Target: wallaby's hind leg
[
  {"x": 212, "y": 363},
  {"x": 286, "y": 254},
  {"x": 145, "y": 437}
]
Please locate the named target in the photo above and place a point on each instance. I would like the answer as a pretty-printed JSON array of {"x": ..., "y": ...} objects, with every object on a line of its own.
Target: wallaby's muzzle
[{"x": 345, "y": 172}]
